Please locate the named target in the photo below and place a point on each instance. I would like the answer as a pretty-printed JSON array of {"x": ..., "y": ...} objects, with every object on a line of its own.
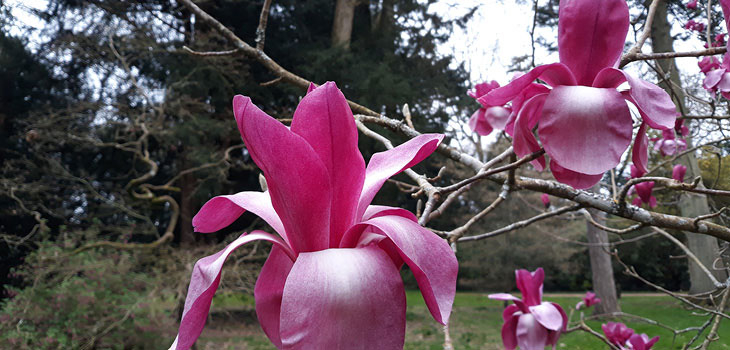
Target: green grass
[{"x": 475, "y": 323}]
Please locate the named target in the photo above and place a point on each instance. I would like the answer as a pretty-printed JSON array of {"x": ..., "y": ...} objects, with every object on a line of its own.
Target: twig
[
  {"x": 261, "y": 29},
  {"x": 520, "y": 224}
]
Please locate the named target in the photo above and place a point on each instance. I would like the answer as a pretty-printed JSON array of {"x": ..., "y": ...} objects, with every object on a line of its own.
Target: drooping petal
[
  {"x": 644, "y": 189},
  {"x": 297, "y": 179},
  {"x": 430, "y": 258},
  {"x": 383, "y": 165},
  {"x": 503, "y": 296},
  {"x": 343, "y": 299},
  {"x": 554, "y": 74},
  {"x": 530, "y": 284},
  {"x": 585, "y": 129},
  {"x": 269, "y": 290},
  {"x": 591, "y": 35},
  {"x": 529, "y": 92},
  {"x": 553, "y": 336},
  {"x": 572, "y": 178},
  {"x": 203, "y": 283},
  {"x": 509, "y": 332},
  {"x": 524, "y": 141},
  {"x": 325, "y": 120},
  {"x": 479, "y": 124},
  {"x": 548, "y": 316},
  {"x": 654, "y": 104},
  {"x": 221, "y": 211},
  {"x": 640, "y": 151},
  {"x": 531, "y": 335},
  {"x": 713, "y": 77}
]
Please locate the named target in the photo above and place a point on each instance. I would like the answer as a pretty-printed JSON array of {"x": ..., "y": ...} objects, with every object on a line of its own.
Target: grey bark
[
  {"x": 342, "y": 24},
  {"x": 690, "y": 204},
  {"x": 604, "y": 284}
]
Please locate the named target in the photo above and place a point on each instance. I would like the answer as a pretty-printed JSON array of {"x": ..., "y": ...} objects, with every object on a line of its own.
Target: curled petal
[
  {"x": 203, "y": 283},
  {"x": 343, "y": 299},
  {"x": 497, "y": 116},
  {"x": 591, "y": 35},
  {"x": 297, "y": 179},
  {"x": 383, "y": 165},
  {"x": 503, "y": 296},
  {"x": 554, "y": 74},
  {"x": 640, "y": 151},
  {"x": 524, "y": 140},
  {"x": 654, "y": 104},
  {"x": 530, "y": 284},
  {"x": 479, "y": 124},
  {"x": 509, "y": 332},
  {"x": 325, "y": 120},
  {"x": 221, "y": 211},
  {"x": 713, "y": 78},
  {"x": 585, "y": 129},
  {"x": 430, "y": 258},
  {"x": 548, "y": 316},
  {"x": 269, "y": 290},
  {"x": 530, "y": 333},
  {"x": 529, "y": 92},
  {"x": 553, "y": 336},
  {"x": 572, "y": 178},
  {"x": 374, "y": 211}
]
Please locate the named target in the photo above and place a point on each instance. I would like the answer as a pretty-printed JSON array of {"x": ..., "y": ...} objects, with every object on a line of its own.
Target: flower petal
[
  {"x": 654, "y": 104},
  {"x": 529, "y": 92},
  {"x": 503, "y": 296},
  {"x": 585, "y": 129},
  {"x": 591, "y": 35},
  {"x": 343, "y": 299},
  {"x": 222, "y": 211},
  {"x": 640, "y": 151},
  {"x": 554, "y": 74},
  {"x": 678, "y": 172},
  {"x": 325, "y": 120},
  {"x": 297, "y": 179},
  {"x": 572, "y": 178},
  {"x": 430, "y": 258},
  {"x": 530, "y": 284},
  {"x": 269, "y": 290},
  {"x": 509, "y": 332},
  {"x": 497, "y": 116},
  {"x": 548, "y": 315},
  {"x": 531, "y": 335},
  {"x": 374, "y": 211},
  {"x": 203, "y": 283},
  {"x": 383, "y": 165},
  {"x": 524, "y": 140},
  {"x": 479, "y": 124},
  {"x": 713, "y": 78},
  {"x": 555, "y": 335}
]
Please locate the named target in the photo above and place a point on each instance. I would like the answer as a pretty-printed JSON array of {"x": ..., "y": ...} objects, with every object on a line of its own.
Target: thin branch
[
  {"x": 261, "y": 30},
  {"x": 521, "y": 224}
]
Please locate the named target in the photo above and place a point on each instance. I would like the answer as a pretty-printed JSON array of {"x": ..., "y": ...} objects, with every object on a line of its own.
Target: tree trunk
[
  {"x": 690, "y": 204},
  {"x": 601, "y": 269},
  {"x": 342, "y": 24}
]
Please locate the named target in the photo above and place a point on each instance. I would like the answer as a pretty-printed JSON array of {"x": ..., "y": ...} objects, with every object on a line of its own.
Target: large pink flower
[
  {"x": 642, "y": 342},
  {"x": 617, "y": 333},
  {"x": 488, "y": 118},
  {"x": 530, "y": 323},
  {"x": 331, "y": 280},
  {"x": 583, "y": 122}
]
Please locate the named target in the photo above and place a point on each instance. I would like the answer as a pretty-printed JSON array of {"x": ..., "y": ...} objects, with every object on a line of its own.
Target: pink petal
[
  {"x": 640, "y": 151},
  {"x": 530, "y": 284},
  {"x": 585, "y": 129},
  {"x": 509, "y": 333},
  {"x": 591, "y": 35},
  {"x": 655, "y": 105},
  {"x": 724, "y": 84},
  {"x": 297, "y": 179},
  {"x": 374, "y": 211},
  {"x": 269, "y": 290},
  {"x": 497, "y": 116},
  {"x": 311, "y": 87},
  {"x": 531, "y": 335},
  {"x": 529, "y": 92},
  {"x": 383, "y": 165},
  {"x": 325, "y": 120},
  {"x": 343, "y": 299},
  {"x": 548, "y": 316},
  {"x": 713, "y": 77},
  {"x": 509, "y": 312},
  {"x": 636, "y": 201},
  {"x": 502, "y": 296},
  {"x": 553, "y": 336},
  {"x": 430, "y": 258},
  {"x": 554, "y": 74},
  {"x": 479, "y": 124},
  {"x": 222, "y": 211},
  {"x": 678, "y": 172},
  {"x": 572, "y": 178},
  {"x": 203, "y": 283},
  {"x": 524, "y": 141}
]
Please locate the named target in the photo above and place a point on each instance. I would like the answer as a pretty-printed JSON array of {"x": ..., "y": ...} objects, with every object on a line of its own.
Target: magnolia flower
[
  {"x": 531, "y": 323},
  {"x": 584, "y": 122},
  {"x": 331, "y": 280},
  {"x": 617, "y": 333},
  {"x": 588, "y": 301},
  {"x": 696, "y": 26},
  {"x": 489, "y": 117},
  {"x": 678, "y": 172},
  {"x": 708, "y": 63},
  {"x": 680, "y": 128},
  {"x": 545, "y": 200},
  {"x": 642, "y": 342},
  {"x": 642, "y": 189},
  {"x": 668, "y": 144},
  {"x": 692, "y": 5},
  {"x": 718, "y": 79}
]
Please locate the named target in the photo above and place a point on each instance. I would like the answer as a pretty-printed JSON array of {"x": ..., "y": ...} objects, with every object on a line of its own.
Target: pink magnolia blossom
[
  {"x": 617, "y": 333},
  {"x": 642, "y": 342},
  {"x": 583, "y": 121},
  {"x": 680, "y": 128},
  {"x": 678, "y": 172},
  {"x": 692, "y": 5},
  {"x": 643, "y": 189},
  {"x": 331, "y": 280},
  {"x": 708, "y": 63},
  {"x": 589, "y": 300},
  {"x": 669, "y": 144},
  {"x": 695, "y": 26},
  {"x": 718, "y": 79},
  {"x": 530, "y": 323},
  {"x": 545, "y": 200},
  {"x": 489, "y": 117}
]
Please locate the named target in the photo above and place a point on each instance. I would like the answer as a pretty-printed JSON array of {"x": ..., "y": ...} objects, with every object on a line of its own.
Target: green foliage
[{"x": 105, "y": 299}]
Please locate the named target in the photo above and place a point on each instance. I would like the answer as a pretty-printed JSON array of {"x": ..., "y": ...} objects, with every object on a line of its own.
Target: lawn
[{"x": 475, "y": 323}]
